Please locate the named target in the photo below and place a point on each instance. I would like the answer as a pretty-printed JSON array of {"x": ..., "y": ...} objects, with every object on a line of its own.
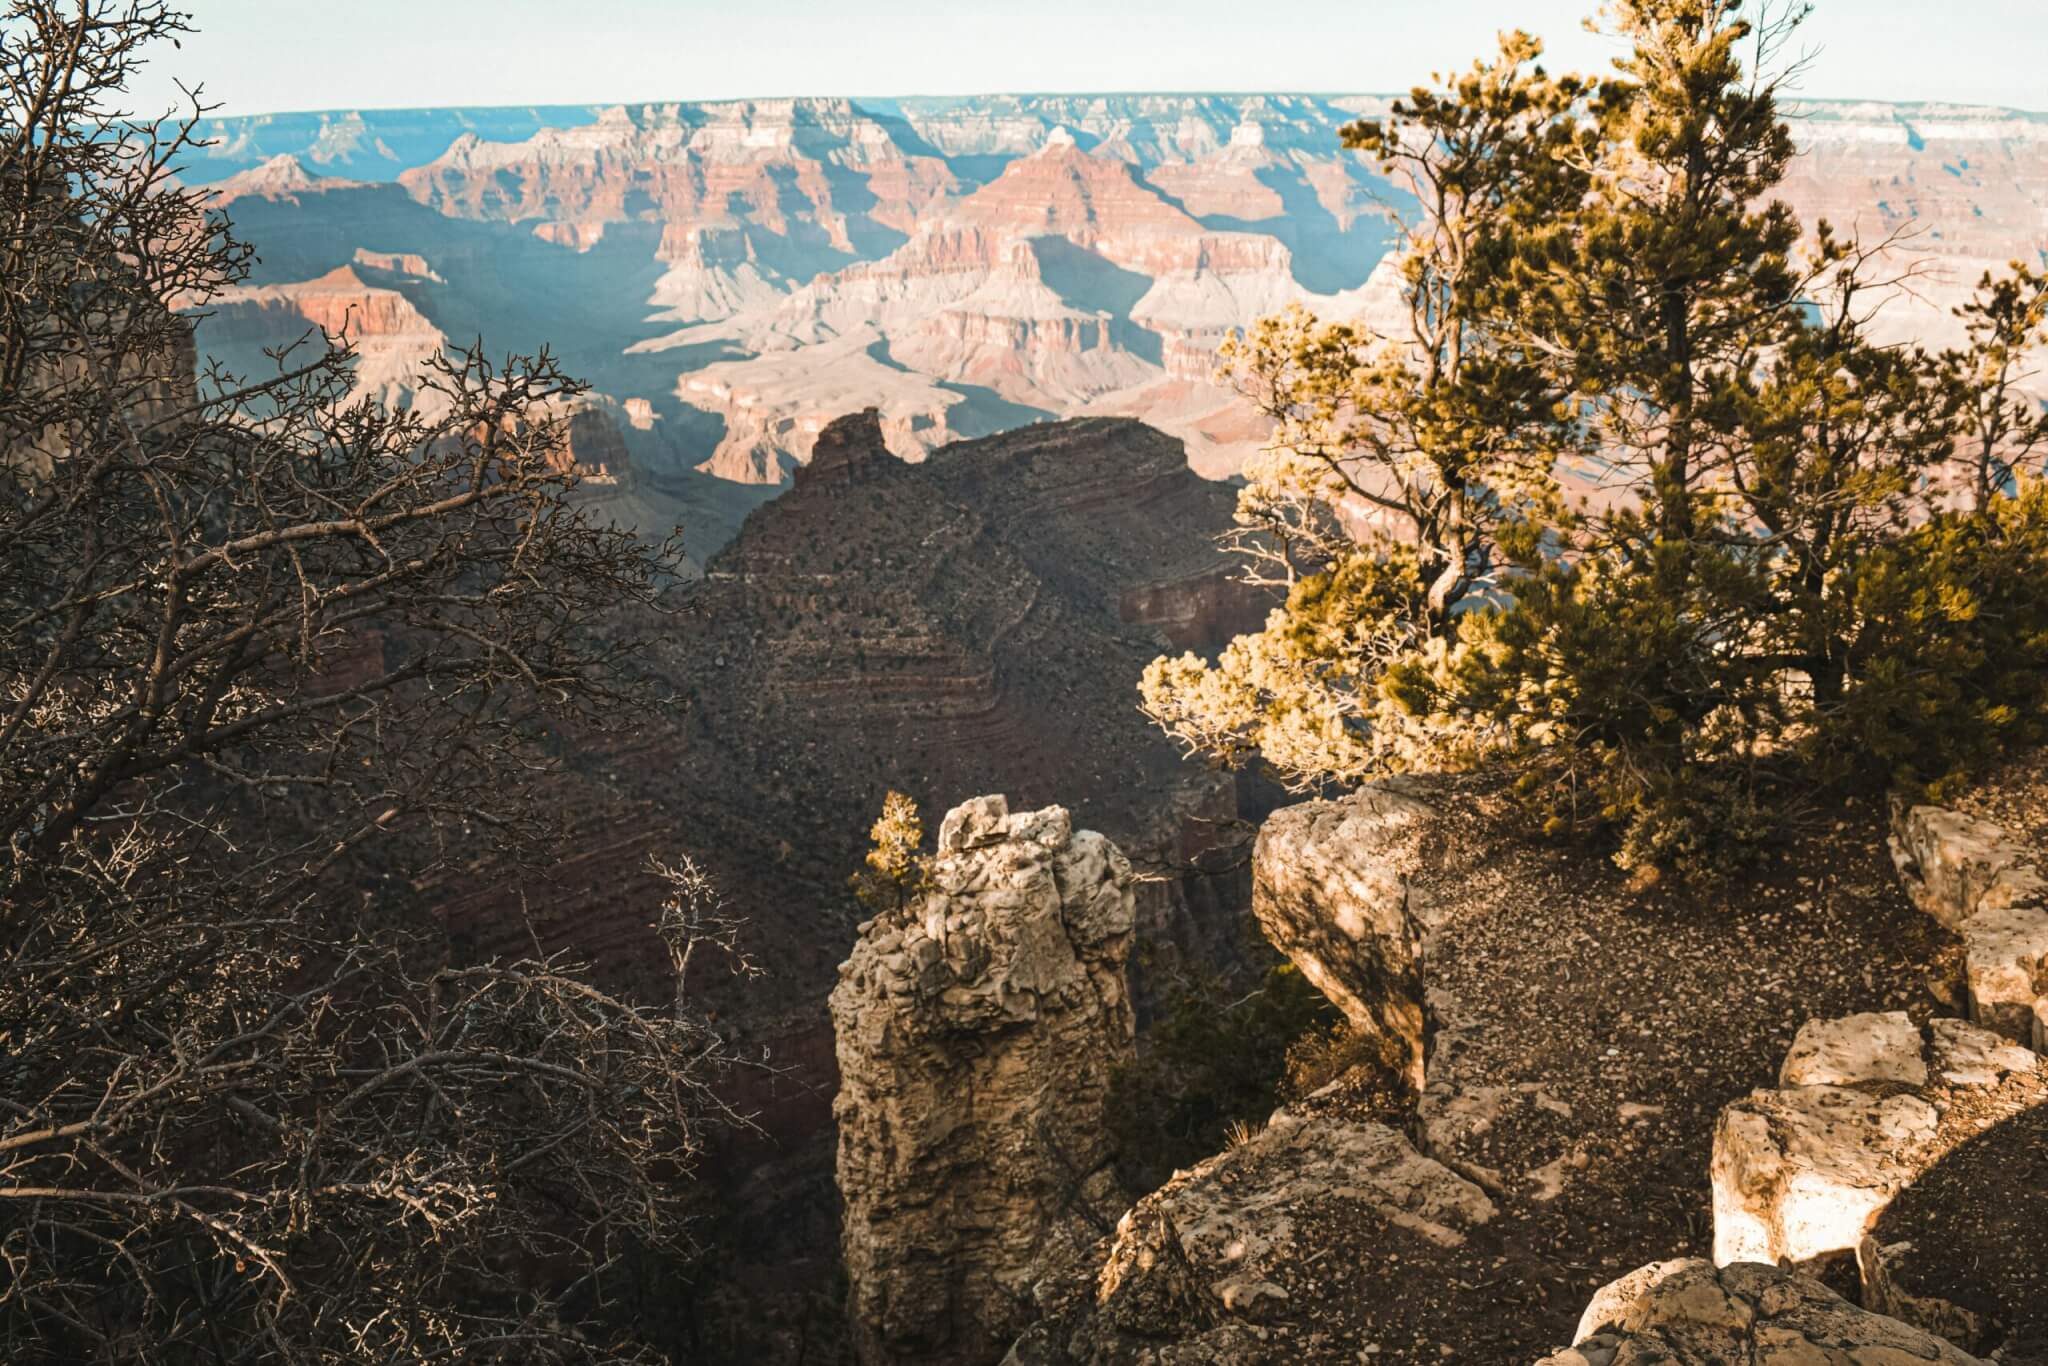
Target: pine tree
[
  {"x": 1405, "y": 469},
  {"x": 896, "y": 870},
  {"x": 1599, "y": 278},
  {"x": 2002, "y": 424}
]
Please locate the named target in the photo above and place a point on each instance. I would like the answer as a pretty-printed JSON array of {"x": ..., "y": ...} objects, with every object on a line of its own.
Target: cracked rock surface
[
  {"x": 1691, "y": 1313},
  {"x": 1985, "y": 882},
  {"x": 1873, "y": 1113},
  {"x": 1295, "y": 1224},
  {"x": 977, "y": 1029},
  {"x": 1800, "y": 1173},
  {"x": 1333, "y": 890}
]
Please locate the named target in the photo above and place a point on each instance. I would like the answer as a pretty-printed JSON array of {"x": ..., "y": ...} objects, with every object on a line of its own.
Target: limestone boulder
[
  {"x": 1332, "y": 890},
  {"x": 2005, "y": 954},
  {"x": 977, "y": 1030},
  {"x": 1692, "y": 1313},
  {"x": 1801, "y": 1173},
  {"x": 1870, "y": 1106},
  {"x": 1196, "y": 1266},
  {"x": 1856, "y": 1048},
  {"x": 1954, "y": 865},
  {"x": 1963, "y": 1056},
  {"x": 1987, "y": 885}
]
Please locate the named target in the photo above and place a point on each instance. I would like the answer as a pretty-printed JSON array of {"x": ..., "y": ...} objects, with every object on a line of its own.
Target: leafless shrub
[{"x": 274, "y": 666}]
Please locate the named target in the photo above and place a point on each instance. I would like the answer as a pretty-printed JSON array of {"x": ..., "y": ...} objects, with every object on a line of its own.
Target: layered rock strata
[
  {"x": 392, "y": 339},
  {"x": 941, "y": 629}
]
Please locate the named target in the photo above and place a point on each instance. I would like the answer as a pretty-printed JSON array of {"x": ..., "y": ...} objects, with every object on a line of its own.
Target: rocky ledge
[
  {"x": 1224, "y": 1263},
  {"x": 1688, "y": 1313}
]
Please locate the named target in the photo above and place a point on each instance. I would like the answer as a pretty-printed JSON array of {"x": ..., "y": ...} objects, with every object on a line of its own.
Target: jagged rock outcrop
[
  {"x": 409, "y": 264},
  {"x": 845, "y": 452},
  {"x": 941, "y": 628},
  {"x": 1198, "y": 609},
  {"x": 1979, "y": 880},
  {"x": 822, "y": 176},
  {"x": 1194, "y": 1268},
  {"x": 1690, "y": 1313},
  {"x": 1331, "y": 889},
  {"x": 279, "y": 177},
  {"x": 1866, "y": 1109},
  {"x": 714, "y": 271},
  {"x": 977, "y": 1029}
]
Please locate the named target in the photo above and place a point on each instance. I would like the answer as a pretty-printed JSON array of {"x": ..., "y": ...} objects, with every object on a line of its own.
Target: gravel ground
[
  {"x": 1591, "y": 1033},
  {"x": 2016, "y": 796},
  {"x": 1978, "y": 1219}
]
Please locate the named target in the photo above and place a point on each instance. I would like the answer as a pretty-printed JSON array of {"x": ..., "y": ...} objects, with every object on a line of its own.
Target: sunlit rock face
[
  {"x": 1331, "y": 890},
  {"x": 977, "y": 1030},
  {"x": 1691, "y": 1313},
  {"x": 1866, "y": 1106},
  {"x": 1981, "y": 881},
  {"x": 392, "y": 338},
  {"x": 784, "y": 166},
  {"x": 1956, "y": 191}
]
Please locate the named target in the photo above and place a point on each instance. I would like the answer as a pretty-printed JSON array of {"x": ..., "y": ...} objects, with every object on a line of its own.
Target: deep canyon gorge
[{"x": 930, "y": 386}]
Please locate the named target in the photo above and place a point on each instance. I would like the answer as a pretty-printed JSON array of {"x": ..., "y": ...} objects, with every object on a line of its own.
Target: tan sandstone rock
[
  {"x": 1955, "y": 865},
  {"x": 1976, "y": 878},
  {"x": 2006, "y": 956},
  {"x": 1331, "y": 890},
  {"x": 977, "y": 1031},
  {"x": 1856, "y": 1048},
  {"x": 1803, "y": 1174},
  {"x": 1690, "y": 1313},
  {"x": 1236, "y": 1226}
]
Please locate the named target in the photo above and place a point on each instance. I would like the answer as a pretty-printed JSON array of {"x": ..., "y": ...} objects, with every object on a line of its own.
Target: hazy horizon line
[{"x": 1791, "y": 101}]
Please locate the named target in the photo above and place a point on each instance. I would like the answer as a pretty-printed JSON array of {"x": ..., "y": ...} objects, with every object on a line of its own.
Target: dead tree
[{"x": 274, "y": 662}]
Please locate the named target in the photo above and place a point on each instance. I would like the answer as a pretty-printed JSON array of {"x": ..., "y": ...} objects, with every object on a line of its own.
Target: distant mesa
[
  {"x": 964, "y": 265},
  {"x": 410, "y": 264},
  {"x": 279, "y": 177}
]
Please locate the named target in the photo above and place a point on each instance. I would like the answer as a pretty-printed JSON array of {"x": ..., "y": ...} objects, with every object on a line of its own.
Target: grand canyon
[
  {"x": 731, "y": 277},
  {"x": 1125, "y": 1040},
  {"x": 930, "y": 386}
]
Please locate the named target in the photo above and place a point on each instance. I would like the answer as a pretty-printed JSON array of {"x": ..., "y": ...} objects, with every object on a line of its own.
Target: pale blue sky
[{"x": 259, "y": 56}]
